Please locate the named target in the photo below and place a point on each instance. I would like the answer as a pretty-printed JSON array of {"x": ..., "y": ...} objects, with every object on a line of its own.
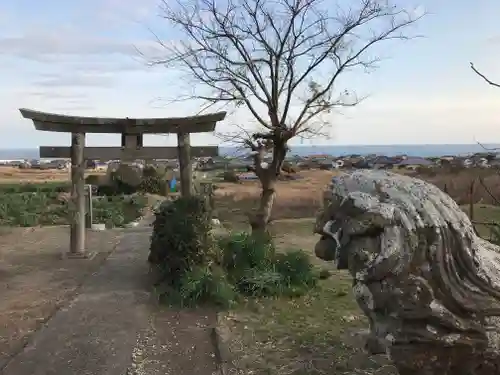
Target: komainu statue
[{"x": 429, "y": 285}]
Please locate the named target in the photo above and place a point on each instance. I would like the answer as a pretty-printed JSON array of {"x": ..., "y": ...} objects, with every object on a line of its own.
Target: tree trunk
[
  {"x": 259, "y": 222},
  {"x": 268, "y": 177}
]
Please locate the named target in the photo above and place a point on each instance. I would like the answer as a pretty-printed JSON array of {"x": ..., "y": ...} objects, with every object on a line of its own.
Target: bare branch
[{"x": 483, "y": 76}]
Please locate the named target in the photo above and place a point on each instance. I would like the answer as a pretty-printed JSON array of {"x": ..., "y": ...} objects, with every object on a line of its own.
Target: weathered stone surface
[
  {"x": 63, "y": 123},
  {"x": 428, "y": 284}
]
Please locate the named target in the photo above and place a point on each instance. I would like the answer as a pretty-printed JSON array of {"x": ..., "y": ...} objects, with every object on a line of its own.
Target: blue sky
[{"x": 79, "y": 57}]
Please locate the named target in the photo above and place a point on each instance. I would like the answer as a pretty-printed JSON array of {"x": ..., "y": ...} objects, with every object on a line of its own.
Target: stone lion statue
[{"x": 429, "y": 285}]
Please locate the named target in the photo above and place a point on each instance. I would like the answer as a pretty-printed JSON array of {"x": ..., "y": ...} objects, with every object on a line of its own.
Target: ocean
[{"x": 333, "y": 150}]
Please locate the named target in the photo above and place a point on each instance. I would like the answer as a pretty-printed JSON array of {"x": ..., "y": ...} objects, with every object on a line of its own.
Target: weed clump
[{"x": 257, "y": 269}]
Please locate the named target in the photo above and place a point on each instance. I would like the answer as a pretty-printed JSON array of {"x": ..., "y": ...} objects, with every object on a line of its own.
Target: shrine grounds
[{"x": 320, "y": 332}]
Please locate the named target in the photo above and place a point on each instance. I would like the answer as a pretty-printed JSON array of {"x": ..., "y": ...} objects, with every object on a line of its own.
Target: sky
[{"x": 80, "y": 57}]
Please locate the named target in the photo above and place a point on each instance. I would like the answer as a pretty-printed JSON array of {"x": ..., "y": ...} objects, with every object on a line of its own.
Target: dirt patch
[
  {"x": 35, "y": 281},
  {"x": 176, "y": 342}
]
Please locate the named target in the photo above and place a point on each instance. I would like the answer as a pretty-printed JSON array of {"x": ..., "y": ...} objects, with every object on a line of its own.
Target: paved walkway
[{"x": 113, "y": 327}]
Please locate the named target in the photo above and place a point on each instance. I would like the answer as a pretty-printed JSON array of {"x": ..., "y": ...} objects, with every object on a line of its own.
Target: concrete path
[{"x": 113, "y": 327}]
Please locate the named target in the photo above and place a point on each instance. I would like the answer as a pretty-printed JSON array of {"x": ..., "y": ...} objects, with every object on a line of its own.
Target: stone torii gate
[{"x": 132, "y": 131}]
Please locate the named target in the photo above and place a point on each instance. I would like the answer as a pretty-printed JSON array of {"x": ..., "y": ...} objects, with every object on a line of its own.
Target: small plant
[
  {"x": 206, "y": 284},
  {"x": 257, "y": 269},
  {"x": 243, "y": 251},
  {"x": 296, "y": 269}
]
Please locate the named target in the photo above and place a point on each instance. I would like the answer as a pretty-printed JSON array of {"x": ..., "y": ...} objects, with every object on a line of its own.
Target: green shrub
[
  {"x": 243, "y": 251},
  {"x": 295, "y": 268},
  {"x": 182, "y": 250},
  {"x": 257, "y": 269},
  {"x": 259, "y": 282},
  {"x": 206, "y": 284},
  {"x": 181, "y": 237}
]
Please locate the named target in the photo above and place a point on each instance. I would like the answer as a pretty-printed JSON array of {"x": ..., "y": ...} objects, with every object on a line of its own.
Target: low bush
[
  {"x": 181, "y": 238},
  {"x": 196, "y": 269}
]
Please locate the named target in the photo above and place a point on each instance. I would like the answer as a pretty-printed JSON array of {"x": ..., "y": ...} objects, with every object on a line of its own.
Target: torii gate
[{"x": 132, "y": 131}]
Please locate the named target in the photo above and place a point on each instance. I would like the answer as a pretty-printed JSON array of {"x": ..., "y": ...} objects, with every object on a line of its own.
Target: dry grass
[
  {"x": 302, "y": 198},
  {"x": 34, "y": 281},
  {"x": 295, "y": 199},
  {"x": 13, "y": 175},
  {"x": 457, "y": 184}
]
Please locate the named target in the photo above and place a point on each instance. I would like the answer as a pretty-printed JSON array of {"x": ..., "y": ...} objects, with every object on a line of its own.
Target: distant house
[
  {"x": 414, "y": 163},
  {"x": 361, "y": 164},
  {"x": 384, "y": 162}
]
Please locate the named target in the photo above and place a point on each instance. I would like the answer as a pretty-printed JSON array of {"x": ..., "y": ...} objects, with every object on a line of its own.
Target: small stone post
[
  {"x": 186, "y": 172},
  {"x": 77, "y": 212},
  {"x": 88, "y": 206}
]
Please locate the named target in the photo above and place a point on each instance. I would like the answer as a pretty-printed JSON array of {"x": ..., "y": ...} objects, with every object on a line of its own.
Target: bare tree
[
  {"x": 490, "y": 82},
  {"x": 281, "y": 60}
]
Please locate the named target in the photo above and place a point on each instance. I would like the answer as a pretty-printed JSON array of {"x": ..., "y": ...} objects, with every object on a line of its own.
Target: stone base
[{"x": 83, "y": 255}]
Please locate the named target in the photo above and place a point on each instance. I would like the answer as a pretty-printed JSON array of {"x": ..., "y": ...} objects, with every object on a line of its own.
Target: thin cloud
[
  {"x": 40, "y": 45},
  {"x": 86, "y": 80},
  {"x": 57, "y": 95},
  {"x": 34, "y": 45}
]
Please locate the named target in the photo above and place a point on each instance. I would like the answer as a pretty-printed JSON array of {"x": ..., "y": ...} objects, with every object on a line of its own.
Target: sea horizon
[{"x": 421, "y": 150}]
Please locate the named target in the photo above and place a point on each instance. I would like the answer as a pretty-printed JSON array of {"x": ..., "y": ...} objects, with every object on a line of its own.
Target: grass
[{"x": 317, "y": 333}]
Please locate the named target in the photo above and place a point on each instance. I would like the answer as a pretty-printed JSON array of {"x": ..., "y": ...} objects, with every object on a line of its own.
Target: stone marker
[{"x": 428, "y": 284}]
